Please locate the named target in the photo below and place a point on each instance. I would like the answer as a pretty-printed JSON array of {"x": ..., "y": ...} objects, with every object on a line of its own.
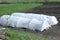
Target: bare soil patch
[{"x": 6, "y": 3}]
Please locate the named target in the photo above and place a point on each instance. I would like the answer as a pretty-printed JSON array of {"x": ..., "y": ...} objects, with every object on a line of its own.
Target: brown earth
[
  {"x": 2, "y": 34},
  {"x": 6, "y": 3},
  {"x": 54, "y": 32}
]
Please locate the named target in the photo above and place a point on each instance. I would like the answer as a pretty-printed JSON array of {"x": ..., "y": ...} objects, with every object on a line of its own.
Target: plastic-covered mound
[
  {"x": 30, "y": 21},
  {"x": 52, "y": 20},
  {"x": 32, "y": 24}
]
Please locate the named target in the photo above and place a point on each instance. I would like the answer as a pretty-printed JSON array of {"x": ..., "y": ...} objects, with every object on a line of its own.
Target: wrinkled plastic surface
[
  {"x": 23, "y": 22},
  {"x": 30, "y": 21},
  {"x": 38, "y": 25},
  {"x": 35, "y": 24},
  {"x": 12, "y": 21},
  {"x": 29, "y": 15},
  {"x": 4, "y": 20},
  {"x": 18, "y": 22},
  {"x": 52, "y": 20},
  {"x": 32, "y": 24}
]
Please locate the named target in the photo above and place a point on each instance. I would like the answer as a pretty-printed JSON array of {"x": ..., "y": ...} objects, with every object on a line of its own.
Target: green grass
[
  {"x": 14, "y": 34},
  {"x": 20, "y": 35},
  {"x": 10, "y": 8},
  {"x": 30, "y": 0}
]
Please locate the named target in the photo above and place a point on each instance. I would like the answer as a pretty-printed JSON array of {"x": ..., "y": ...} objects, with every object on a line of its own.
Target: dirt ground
[{"x": 54, "y": 32}]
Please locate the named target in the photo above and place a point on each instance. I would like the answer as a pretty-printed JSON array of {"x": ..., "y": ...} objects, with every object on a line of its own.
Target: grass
[
  {"x": 10, "y": 8},
  {"x": 20, "y": 35},
  {"x": 14, "y": 34},
  {"x": 30, "y": 0}
]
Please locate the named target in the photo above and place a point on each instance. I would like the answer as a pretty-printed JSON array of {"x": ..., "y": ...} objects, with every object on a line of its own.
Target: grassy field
[
  {"x": 10, "y": 8},
  {"x": 29, "y": 0},
  {"x": 14, "y": 34}
]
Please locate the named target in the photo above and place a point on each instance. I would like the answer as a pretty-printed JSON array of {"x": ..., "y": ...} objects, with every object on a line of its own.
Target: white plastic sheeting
[
  {"x": 23, "y": 22},
  {"x": 32, "y": 24},
  {"x": 38, "y": 25},
  {"x": 12, "y": 21},
  {"x": 18, "y": 22},
  {"x": 4, "y": 20},
  {"x": 29, "y": 15},
  {"x": 30, "y": 21},
  {"x": 52, "y": 20}
]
